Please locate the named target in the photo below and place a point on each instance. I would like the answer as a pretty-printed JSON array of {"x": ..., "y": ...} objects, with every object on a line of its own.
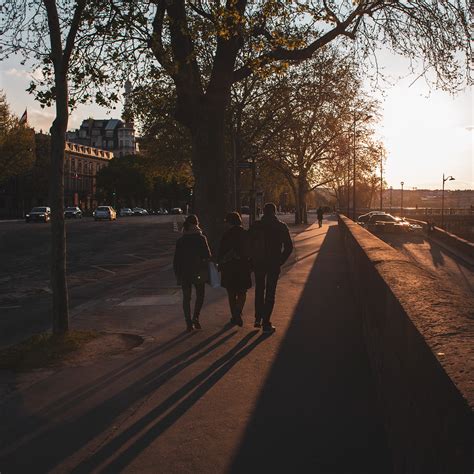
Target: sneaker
[
  {"x": 189, "y": 326},
  {"x": 196, "y": 324},
  {"x": 268, "y": 328},
  {"x": 257, "y": 323},
  {"x": 239, "y": 321}
]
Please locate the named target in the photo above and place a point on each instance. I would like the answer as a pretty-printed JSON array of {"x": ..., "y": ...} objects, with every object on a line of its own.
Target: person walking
[
  {"x": 270, "y": 247},
  {"x": 190, "y": 264},
  {"x": 234, "y": 266},
  {"x": 320, "y": 214}
]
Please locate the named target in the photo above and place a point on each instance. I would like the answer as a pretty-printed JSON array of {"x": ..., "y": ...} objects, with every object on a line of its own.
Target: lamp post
[
  {"x": 381, "y": 181},
  {"x": 348, "y": 185},
  {"x": 401, "y": 201},
  {"x": 448, "y": 178},
  {"x": 391, "y": 190}
]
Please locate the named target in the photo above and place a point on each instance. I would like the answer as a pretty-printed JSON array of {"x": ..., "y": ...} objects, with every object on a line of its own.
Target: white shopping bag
[{"x": 214, "y": 276}]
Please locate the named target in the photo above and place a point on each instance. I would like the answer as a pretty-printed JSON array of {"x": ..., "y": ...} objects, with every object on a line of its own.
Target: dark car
[
  {"x": 39, "y": 214},
  {"x": 72, "y": 213},
  {"x": 176, "y": 210},
  {"x": 387, "y": 223},
  {"x": 363, "y": 219},
  {"x": 245, "y": 210}
]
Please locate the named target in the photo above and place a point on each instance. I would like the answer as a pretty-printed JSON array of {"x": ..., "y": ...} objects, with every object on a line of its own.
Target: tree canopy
[{"x": 17, "y": 143}]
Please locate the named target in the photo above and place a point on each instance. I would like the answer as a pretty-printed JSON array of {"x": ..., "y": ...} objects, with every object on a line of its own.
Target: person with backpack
[
  {"x": 234, "y": 266},
  {"x": 270, "y": 246},
  {"x": 190, "y": 264}
]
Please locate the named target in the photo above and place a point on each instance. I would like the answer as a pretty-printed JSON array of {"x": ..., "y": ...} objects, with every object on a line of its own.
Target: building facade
[
  {"x": 112, "y": 135},
  {"x": 81, "y": 165}
]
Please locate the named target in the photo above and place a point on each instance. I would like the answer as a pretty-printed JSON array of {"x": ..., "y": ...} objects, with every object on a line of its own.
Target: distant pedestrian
[
  {"x": 234, "y": 266},
  {"x": 190, "y": 265},
  {"x": 320, "y": 214},
  {"x": 269, "y": 247}
]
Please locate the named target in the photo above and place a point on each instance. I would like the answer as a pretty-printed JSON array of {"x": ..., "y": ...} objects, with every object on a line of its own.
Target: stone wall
[{"x": 421, "y": 347}]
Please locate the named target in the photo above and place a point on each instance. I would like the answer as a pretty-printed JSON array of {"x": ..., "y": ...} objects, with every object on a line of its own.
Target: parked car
[
  {"x": 105, "y": 212},
  {"x": 39, "y": 214},
  {"x": 138, "y": 211},
  {"x": 72, "y": 212},
  {"x": 245, "y": 210},
  {"x": 176, "y": 210},
  {"x": 125, "y": 211},
  {"x": 365, "y": 217},
  {"x": 378, "y": 223}
]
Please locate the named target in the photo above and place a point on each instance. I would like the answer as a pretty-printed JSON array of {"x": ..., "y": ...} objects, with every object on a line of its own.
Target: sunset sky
[{"x": 426, "y": 133}]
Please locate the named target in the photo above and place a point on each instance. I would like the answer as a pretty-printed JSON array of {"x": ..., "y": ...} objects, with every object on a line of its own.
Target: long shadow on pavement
[
  {"x": 49, "y": 446},
  {"x": 182, "y": 400},
  {"x": 316, "y": 412}
]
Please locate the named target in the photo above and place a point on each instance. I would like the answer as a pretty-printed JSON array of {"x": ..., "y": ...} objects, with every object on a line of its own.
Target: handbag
[{"x": 214, "y": 276}]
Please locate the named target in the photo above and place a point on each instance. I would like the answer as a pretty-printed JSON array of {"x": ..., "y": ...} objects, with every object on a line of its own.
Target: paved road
[
  {"x": 221, "y": 400},
  {"x": 100, "y": 255}
]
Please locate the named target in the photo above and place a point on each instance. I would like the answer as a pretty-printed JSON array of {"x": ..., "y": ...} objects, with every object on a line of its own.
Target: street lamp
[
  {"x": 448, "y": 178},
  {"x": 381, "y": 181},
  {"x": 391, "y": 190},
  {"x": 401, "y": 201}
]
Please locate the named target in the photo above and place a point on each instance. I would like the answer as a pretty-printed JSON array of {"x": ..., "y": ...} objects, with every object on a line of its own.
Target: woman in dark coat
[
  {"x": 190, "y": 265},
  {"x": 235, "y": 266}
]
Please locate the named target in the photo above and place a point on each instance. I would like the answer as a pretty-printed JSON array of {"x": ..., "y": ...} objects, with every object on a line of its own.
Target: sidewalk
[{"x": 224, "y": 399}]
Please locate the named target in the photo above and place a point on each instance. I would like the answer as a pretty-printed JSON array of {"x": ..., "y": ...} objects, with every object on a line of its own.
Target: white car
[
  {"x": 126, "y": 211},
  {"x": 105, "y": 212},
  {"x": 138, "y": 211}
]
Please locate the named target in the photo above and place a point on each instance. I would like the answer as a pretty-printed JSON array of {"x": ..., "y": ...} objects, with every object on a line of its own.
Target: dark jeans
[
  {"x": 187, "y": 290},
  {"x": 236, "y": 302},
  {"x": 266, "y": 280}
]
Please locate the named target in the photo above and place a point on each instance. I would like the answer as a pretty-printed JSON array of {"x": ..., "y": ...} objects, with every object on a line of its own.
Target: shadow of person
[
  {"x": 167, "y": 412},
  {"x": 35, "y": 436},
  {"x": 436, "y": 254}
]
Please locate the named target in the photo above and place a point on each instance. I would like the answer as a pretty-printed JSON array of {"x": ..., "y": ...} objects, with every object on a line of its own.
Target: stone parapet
[{"x": 420, "y": 341}]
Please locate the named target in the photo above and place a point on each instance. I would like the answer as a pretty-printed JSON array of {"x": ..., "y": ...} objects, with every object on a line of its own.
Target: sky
[{"x": 426, "y": 132}]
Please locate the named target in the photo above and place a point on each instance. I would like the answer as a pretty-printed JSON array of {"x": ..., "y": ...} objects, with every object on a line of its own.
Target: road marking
[
  {"x": 155, "y": 300},
  {"x": 9, "y": 307},
  {"x": 136, "y": 256},
  {"x": 103, "y": 269}
]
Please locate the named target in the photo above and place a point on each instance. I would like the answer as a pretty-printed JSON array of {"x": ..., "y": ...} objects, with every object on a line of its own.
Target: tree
[
  {"x": 46, "y": 30},
  {"x": 248, "y": 37},
  {"x": 165, "y": 144},
  {"x": 17, "y": 144},
  {"x": 124, "y": 180},
  {"x": 300, "y": 119}
]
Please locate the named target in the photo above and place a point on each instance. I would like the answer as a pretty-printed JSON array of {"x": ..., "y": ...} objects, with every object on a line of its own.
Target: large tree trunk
[
  {"x": 210, "y": 173},
  {"x": 301, "y": 216},
  {"x": 58, "y": 233}
]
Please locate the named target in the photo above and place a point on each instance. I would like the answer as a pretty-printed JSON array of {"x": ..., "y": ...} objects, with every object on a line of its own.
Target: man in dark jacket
[{"x": 276, "y": 250}]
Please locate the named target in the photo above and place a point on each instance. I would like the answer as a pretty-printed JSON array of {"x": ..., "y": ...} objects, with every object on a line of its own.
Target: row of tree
[{"x": 202, "y": 49}]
